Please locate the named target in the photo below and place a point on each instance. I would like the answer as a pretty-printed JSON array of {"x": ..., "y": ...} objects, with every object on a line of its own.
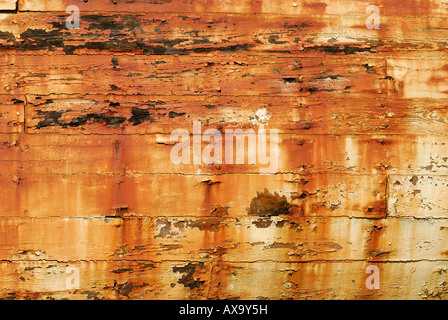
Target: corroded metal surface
[{"x": 88, "y": 181}]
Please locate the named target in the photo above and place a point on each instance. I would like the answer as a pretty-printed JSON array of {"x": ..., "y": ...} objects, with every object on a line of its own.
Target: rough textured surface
[
  {"x": 85, "y": 172},
  {"x": 8, "y": 4}
]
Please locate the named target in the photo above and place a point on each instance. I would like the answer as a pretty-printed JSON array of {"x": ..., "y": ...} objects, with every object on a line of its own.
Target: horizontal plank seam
[
  {"x": 362, "y": 14},
  {"x": 232, "y": 261},
  {"x": 235, "y": 217}
]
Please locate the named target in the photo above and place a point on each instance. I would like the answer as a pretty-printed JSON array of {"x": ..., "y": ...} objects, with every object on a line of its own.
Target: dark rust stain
[
  {"x": 375, "y": 232},
  {"x": 210, "y": 224},
  {"x": 187, "y": 278},
  {"x": 126, "y": 288},
  {"x": 220, "y": 211},
  {"x": 165, "y": 230},
  {"x": 376, "y": 209},
  {"x": 266, "y": 204},
  {"x": 262, "y": 223}
]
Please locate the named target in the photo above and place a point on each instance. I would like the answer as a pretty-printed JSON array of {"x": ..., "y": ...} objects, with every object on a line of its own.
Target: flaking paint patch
[
  {"x": 267, "y": 204},
  {"x": 112, "y": 196}
]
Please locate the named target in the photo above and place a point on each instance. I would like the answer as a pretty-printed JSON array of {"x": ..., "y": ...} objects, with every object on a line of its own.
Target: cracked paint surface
[{"x": 87, "y": 182}]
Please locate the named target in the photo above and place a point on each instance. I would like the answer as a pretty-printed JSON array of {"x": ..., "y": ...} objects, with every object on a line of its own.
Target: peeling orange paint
[{"x": 87, "y": 181}]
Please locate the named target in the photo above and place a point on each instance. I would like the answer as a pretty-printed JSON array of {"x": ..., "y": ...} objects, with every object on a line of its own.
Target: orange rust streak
[{"x": 85, "y": 123}]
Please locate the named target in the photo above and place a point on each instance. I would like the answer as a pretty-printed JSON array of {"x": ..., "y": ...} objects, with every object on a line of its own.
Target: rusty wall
[{"x": 87, "y": 114}]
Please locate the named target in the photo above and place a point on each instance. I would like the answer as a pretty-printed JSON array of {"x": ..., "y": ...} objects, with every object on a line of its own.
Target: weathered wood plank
[
  {"x": 87, "y": 177},
  {"x": 180, "y": 280},
  {"x": 8, "y": 4},
  {"x": 324, "y": 280},
  {"x": 412, "y": 77},
  {"x": 227, "y": 239},
  {"x": 217, "y": 74},
  {"x": 104, "y": 195},
  {"x": 12, "y": 114},
  {"x": 116, "y": 114},
  {"x": 239, "y": 74},
  {"x": 308, "y": 7},
  {"x": 46, "y": 33},
  {"x": 418, "y": 196},
  {"x": 302, "y": 154},
  {"x": 98, "y": 280}
]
